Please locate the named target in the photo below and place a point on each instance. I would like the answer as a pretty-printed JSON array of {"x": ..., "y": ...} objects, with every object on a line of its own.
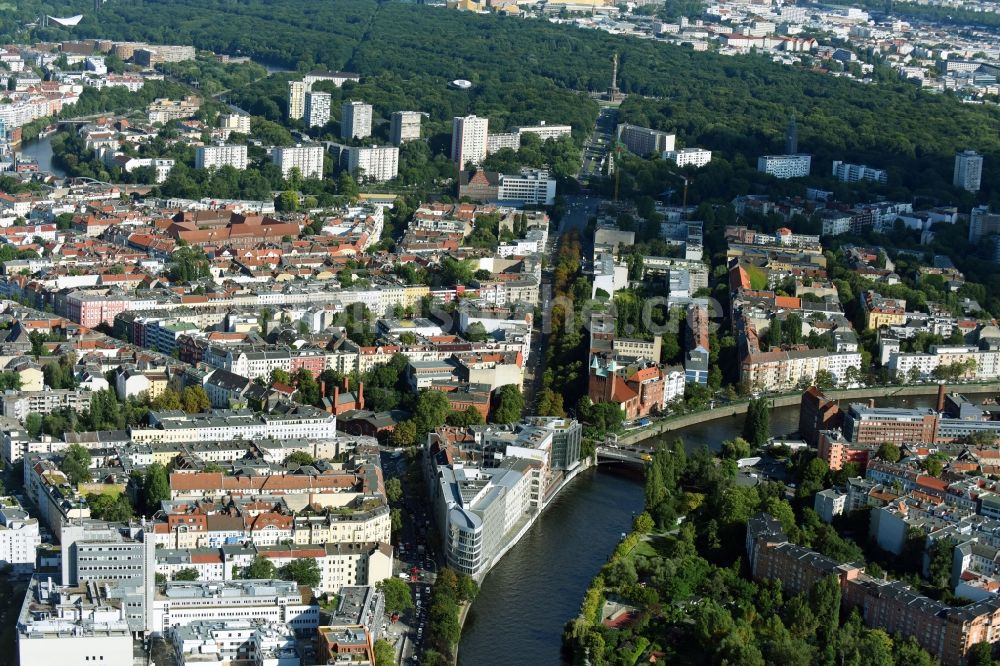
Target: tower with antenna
[{"x": 792, "y": 137}]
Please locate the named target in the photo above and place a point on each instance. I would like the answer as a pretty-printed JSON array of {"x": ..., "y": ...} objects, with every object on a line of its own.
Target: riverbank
[{"x": 681, "y": 421}]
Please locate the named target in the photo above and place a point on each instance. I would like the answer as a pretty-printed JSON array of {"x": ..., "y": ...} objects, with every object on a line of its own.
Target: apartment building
[
  {"x": 307, "y": 159},
  {"x": 373, "y": 163},
  {"x": 785, "y": 370},
  {"x": 355, "y": 120},
  {"x": 968, "y": 171},
  {"x": 785, "y": 166},
  {"x": 235, "y": 122},
  {"x": 532, "y": 187},
  {"x": 497, "y": 142},
  {"x": 983, "y": 223},
  {"x": 317, "y": 109},
  {"x": 19, "y": 538},
  {"x": 469, "y": 140},
  {"x": 545, "y": 131},
  {"x": 404, "y": 126},
  {"x": 853, "y": 173},
  {"x": 297, "y": 99},
  {"x": 216, "y": 157},
  {"x": 696, "y": 157},
  {"x": 880, "y": 311},
  {"x": 643, "y": 141},
  {"x": 148, "y": 56}
]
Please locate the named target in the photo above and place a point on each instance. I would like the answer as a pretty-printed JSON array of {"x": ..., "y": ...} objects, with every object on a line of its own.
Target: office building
[
  {"x": 19, "y": 537},
  {"x": 373, "y": 163},
  {"x": 317, "y": 109},
  {"x": 785, "y": 166},
  {"x": 307, "y": 159},
  {"x": 296, "y": 99},
  {"x": 355, "y": 120},
  {"x": 216, "y": 157},
  {"x": 696, "y": 157},
  {"x": 77, "y": 625},
  {"x": 853, "y": 173},
  {"x": 968, "y": 170},
  {"x": 469, "y": 137},
  {"x": 983, "y": 223},
  {"x": 643, "y": 141},
  {"x": 404, "y": 126},
  {"x": 532, "y": 187},
  {"x": 117, "y": 556}
]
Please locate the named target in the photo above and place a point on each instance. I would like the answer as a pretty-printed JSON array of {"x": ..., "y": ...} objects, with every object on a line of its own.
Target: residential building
[
  {"x": 817, "y": 413},
  {"x": 643, "y": 141},
  {"x": 373, "y": 163},
  {"x": 296, "y": 99},
  {"x": 545, "y": 131},
  {"x": 469, "y": 140},
  {"x": 983, "y": 223},
  {"x": 404, "y": 126},
  {"x": 149, "y": 56},
  {"x": 497, "y": 142},
  {"x": 235, "y": 122},
  {"x": 853, "y": 173},
  {"x": 307, "y": 159},
  {"x": 19, "y": 537},
  {"x": 696, "y": 157},
  {"x": 968, "y": 172},
  {"x": 785, "y": 166},
  {"x": 216, "y": 157},
  {"x": 317, "y": 109},
  {"x": 532, "y": 187},
  {"x": 355, "y": 120}
]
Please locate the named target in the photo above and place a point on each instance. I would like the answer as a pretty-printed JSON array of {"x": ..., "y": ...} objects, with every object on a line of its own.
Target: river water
[
  {"x": 538, "y": 586},
  {"x": 41, "y": 151}
]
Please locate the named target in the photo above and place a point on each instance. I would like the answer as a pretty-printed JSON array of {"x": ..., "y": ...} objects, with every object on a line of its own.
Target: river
[
  {"x": 526, "y": 600},
  {"x": 41, "y": 151}
]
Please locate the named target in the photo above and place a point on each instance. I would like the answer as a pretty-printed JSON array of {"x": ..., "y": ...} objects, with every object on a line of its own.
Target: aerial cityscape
[{"x": 499, "y": 332}]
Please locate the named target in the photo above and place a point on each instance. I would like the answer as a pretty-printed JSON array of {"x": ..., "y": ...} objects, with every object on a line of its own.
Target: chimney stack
[
  {"x": 322, "y": 389},
  {"x": 336, "y": 400},
  {"x": 361, "y": 395},
  {"x": 940, "y": 400}
]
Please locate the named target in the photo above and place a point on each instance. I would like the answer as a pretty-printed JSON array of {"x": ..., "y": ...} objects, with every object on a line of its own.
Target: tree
[
  {"x": 643, "y": 523},
  {"x": 307, "y": 386},
  {"x": 509, "y": 404},
  {"x": 404, "y": 434},
  {"x": 824, "y": 380},
  {"x": 939, "y": 565},
  {"x": 194, "y": 400},
  {"x": 299, "y": 458},
  {"x": 476, "y": 332},
  {"x": 113, "y": 507},
  {"x": 168, "y": 399},
  {"x": 304, "y": 571},
  {"x": 734, "y": 449},
  {"x": 757, "y": 425},
  {"x": 980, "y": 654},
  {"x": 261, "y": 568},
  {"x": 156, "y": 487},
  {"x": 76, "y": 464},
  {"x": 467, "y": 417},
  {"x": 385, "y": 654},
  {"x": 398, "y": 596},
  {"x": 431, "y": 410},
  {"x": 188, "y": 573},
  {"x": 33, "y": 424},
  {"x": 889, "y": 452},
  {"x": 393, "y": 491}
]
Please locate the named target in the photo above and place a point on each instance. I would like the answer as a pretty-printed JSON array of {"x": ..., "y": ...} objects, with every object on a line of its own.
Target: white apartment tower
[
  {"x": 296, "y": 99},
  {"x": 355, "y": 120},
  {"x": 375, "y": 163},
  {"x": 968, "y": 170},
  {"x": 308, "y": 160},
  {"x": 317, "y": 111},
  {"x": 207, "y": 157},
  {"x": 404, "y": 126},
  {"x": 469, "y": 139}
]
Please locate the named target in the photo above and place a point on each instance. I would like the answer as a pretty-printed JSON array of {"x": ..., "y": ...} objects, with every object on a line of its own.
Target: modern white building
[
  {"x": 696, "y": 157},
  {"x": 373, "y": 163},
  {"x": 72, "y": 625},
  {"x": 785, "y": 166},
  {"x": 469, "y": 139},
  {"x": 296, "y": 99},
  {"x": 497, "y": 142},
  {"x": 983, "y": 223},
  {"x": 209, "y": 157},
  {"x": 317, "y": 109},
  {"x": 968, "y": 170},
  {"x": 404, "y": 126},
  {"x": 532, "y": 187},
  {"x": 19, "y": 536},
  {"x": 544, "y": 131},
  {"x": 308, "y": 160},
  {"x": 853, "y": 173},
  {"x": 355, "y": 120}
]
